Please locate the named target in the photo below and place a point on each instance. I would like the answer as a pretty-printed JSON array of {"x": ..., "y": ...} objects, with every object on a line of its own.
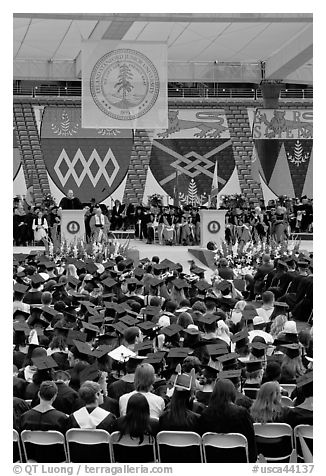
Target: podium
[
  {"x": 212, "y": 226},
  {"x": 72, "y": 226}
]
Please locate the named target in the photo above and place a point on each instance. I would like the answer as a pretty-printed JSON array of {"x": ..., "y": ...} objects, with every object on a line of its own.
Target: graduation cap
[
  {"x": 179, "y": 353},
  {"x": 49, "y": 311},
  {"x": 96, "y": 319},
  {"x": 303, "y": 263},
  {"x": 91, "y": 267},
  {"x": 50, "y": 265},
  {"x": 249, "y": 314},
  {"x": 20, "y": 312},
  {"x": 155, "y": 358},
  {"x": 151, "y": 311},
  {"x": 44, "y": 363},
  {"x": 183, "y": 382},
  {"x": 171, "y": 330},
  {"x": 228, "y": 359},
  {"x": 305, "y": 379},
  {"x": 253, "y": 365},
  {"x": 20, "y": 288},
  {"x": 208, "y": 318},
  {"x": 240, "y": 337},
  {"x": 197, "y": 270},
  {"x": 147, "y": 326},
  {"x": 91, "y": 372},
  {"x": 120, "y": 327},
  {"x": 223, "y": 285},
  {"x": 154, "y": 282},
  {"x": 259, "y": 345},
  {"x": 109, "y": 282},
  {"x": 107, "y": 296},
  {"x": 210, "y": 372},
  {"x": 132, "y": 281},
  {"x": 82, "y": 347},
  {"x": 229, "y": 374},
  {"x": 37, "y": 279},
  {"x": 139, "y": 272},
  {"x": 166, "y": 263},
  {"x": 101, "y": 350},
  {"x": 129, "y": 321},
  {"x": 75, "y": 335},
  {"x": 145, "y": 347},
  {"x": 180, "y": 283},
  {"x": 144, "y": 260},
  {"x": 292, "y": 350},
  {"x": 202, "y": 285},
  {"x": 216, "y": 349},
  {"x": 90, "y": 327},
  {"x": 109, "y": 264}
]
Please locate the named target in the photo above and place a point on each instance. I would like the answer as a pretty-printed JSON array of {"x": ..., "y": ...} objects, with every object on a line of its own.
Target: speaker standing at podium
[{"x": 70, "y": 202}]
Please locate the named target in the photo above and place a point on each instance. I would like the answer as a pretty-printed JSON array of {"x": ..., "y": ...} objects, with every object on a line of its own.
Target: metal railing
[{"x": 182, "y": 92}]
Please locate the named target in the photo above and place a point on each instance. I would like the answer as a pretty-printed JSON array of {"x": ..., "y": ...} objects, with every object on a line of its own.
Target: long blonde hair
[
  {"x": 278, "y": 325},
  {"x": 267, "y": 406}
]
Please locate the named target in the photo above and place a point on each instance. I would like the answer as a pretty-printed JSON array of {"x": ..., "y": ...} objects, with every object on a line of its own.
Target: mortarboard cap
[
  {"x": 180, "y": 283},
  {"x": 82, "y": 347},
  {"x": 20, "y": 312},
  {"x": 96, "y": 318},
  {"x": 154, "y": 282},
  {"x": 139, "y": 272},
  {"x": 151, "y": 310},
  {"x": 259, "y": 345},
  {"x": 147, "y": 326},
  {"x": 49, "y": 311},
  {"x": 202, "y": 285},
  {"x": 197, "y": 270},
  {"x": 281, "y": 305},
  {"x": 240, "y": 336},
  {"x": 183, "y": 382},
  {"x": 91, "y": 267},
  {"x": 223, "y": 285},
  {"x": 155, "y": 358},
  {"x": 210, "y": 371},
  {"x": 249, "y": 314},
  {"x": 130, "y": 321},
  {"x": 20, "y": 288},
  {"x": 21, "y": 327},
  {"x": 109, "y": 264},
  {"x": 132, "y": 281},
  {"x": 179, "y": 353},
  {"x": 37, "y": 279},
  {"x": 171, "y": 330},
  {"x": 120, "y": 327},
  {"x": 73, "y": 281},
  {"x": 229, "y": 374},
  {"x": 253, "y": 365},
  {"x": 192, "y": 331},
  {"x": 217, "y": 349},
  {"x": 101, "y": 350},
  {"x": 228, "y": 359},
  {"x": 109, "y": 282},
  {"x": 90, "y": 327},
  {"x": 75, "y": 335},
  {"x": 44, "y": 363},
  {"x": 145, "y": 347},
  {"x": 305, "y": 379},
  {"x": 208, "y": 318}
]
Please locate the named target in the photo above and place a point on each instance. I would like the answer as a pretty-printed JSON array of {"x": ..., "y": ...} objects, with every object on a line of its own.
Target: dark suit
[
  {"x": 116, "y": 217},
  {"x": 70, "y": 203}
]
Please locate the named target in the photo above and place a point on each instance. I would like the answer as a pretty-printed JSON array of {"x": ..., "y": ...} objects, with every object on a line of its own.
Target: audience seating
[
  {"x": 225, "y": 448},
  {"x": 179, "y": 446},
  {"x": 88, "y": 446},
  {"x": 128, "y": 450},
  {"x": 274, "y": 441},
  {"x": 44, "y": 446},
  {"x": 303, "y": 442},
  {"x": 250, "y": 392},
  {"x": 287, "y": 402},
  {"x": 17, "y": 451}
]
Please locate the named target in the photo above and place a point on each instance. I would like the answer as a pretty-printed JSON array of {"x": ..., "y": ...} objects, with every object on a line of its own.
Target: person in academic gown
[
  {"x": 44, "y": 416},
  {"x": 91, "y": 415},
  {"x": 70, "y": 202}
]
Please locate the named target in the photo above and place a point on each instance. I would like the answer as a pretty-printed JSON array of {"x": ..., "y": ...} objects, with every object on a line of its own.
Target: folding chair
[
  {"x": 287, "y": 402},
  {"x": 288, "y": 387},
  {"x": 128, "y": 450},
  {"x": 179, "y": 447},
  {"x": 250, "y": 392},
  {"x": 44, "y": 446},
  {"x": 17, "y": 451},
  {"x": 303, "y": 442},
  {"x": 88, "y": 446},
  {"x": 225, "y": 448},
  {"x": 274, "y": 441}
]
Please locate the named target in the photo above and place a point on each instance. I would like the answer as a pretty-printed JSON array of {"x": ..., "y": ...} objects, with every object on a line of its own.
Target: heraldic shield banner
[
  {"x": 124, "y": 84},
  {"x": 183, "y": 156},
  {"x": 91, "y": 162}
]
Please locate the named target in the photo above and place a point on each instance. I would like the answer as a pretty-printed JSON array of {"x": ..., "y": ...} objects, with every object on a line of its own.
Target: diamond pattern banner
[{"x": 91, "y": 162}]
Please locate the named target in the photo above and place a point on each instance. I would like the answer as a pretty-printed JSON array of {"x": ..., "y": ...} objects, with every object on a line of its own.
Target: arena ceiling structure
[{"x": 202, "y": 47}]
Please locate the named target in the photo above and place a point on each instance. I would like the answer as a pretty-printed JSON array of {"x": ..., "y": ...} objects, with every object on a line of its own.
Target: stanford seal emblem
[{"x": 124, "y": 84}]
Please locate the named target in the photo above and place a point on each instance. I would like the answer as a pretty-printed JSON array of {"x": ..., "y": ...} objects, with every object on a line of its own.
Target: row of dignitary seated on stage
[{"x": 160, "y": 350}]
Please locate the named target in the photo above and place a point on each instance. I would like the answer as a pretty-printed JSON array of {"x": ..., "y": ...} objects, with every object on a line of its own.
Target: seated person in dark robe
[
  {"x": 126, "y": 383},
  {"x": 44, "y": 416},
  {"x": 302, "y": 414},
  {"x": 91, "y": 415},
  {"x": 178, "y": 415}
]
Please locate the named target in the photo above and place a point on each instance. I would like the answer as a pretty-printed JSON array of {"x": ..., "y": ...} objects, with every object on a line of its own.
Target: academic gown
[
  {"x": 49, "y": 420},
  {"x": 95, "y": 418},
  {"x": 67, "y": 400},
  {"x": 119, "y": 388}
]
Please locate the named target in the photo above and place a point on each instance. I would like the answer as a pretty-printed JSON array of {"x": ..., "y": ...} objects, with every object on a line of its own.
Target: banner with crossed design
[{"x": 91, "y": 162}]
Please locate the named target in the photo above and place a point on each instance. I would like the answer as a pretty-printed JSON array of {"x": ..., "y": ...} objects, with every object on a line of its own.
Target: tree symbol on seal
[
  {"x": 73, "y": 227},
  {"x": 214, "y": 226}
]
